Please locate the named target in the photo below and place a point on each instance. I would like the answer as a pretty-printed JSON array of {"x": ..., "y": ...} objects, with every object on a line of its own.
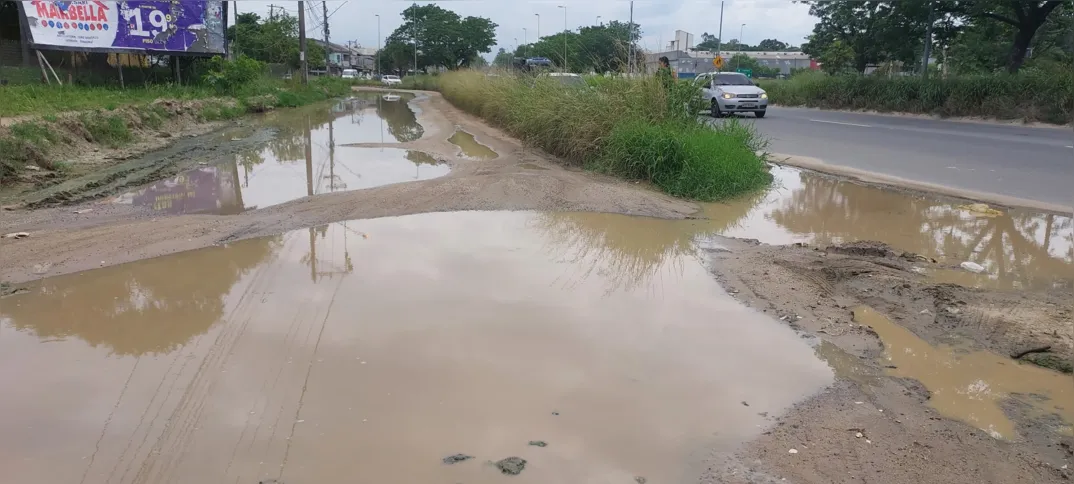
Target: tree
[
  {"x": 598, "y": 48},
  {"x": 273, "y": 40},
  {"x": 1026, "y": 17},
  {"x": 876, "y": 31},
  {"x": 503, "y": 59},
  {"x": 837, "y": 58},
  {"x": 443, "y": 39},
  {"x": 743, "y": 61},
  {"x": 397, "y": 57},
  {"x": 708, "y": 42},
  {"x": 772, "y": 45}
]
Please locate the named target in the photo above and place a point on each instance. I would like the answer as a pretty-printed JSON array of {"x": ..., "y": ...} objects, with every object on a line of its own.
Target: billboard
[{"x": 177, "y": 26}]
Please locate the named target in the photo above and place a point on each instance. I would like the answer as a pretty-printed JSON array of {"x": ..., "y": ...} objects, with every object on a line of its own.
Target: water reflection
[
  {"x": 1019, "y": 249},
  {"x": 305, "y": 158},
  {"x": 153, "y": 306}
]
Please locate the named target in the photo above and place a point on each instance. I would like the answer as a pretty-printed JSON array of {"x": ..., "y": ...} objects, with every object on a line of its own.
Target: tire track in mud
[{"x": 183, "y": 420}]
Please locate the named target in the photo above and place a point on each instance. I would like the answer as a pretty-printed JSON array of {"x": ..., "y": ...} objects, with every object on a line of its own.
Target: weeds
[
  {"x": 35, "y": 133},
  {"x": 636, "y": 129},
  {"x": 107, "y": 129},
  {"x": 1031, "y": 96}
]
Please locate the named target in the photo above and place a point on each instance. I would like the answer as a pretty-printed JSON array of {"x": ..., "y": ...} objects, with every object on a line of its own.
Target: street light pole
[
  {"x": 415, "y": 29},
  {"x": 740, "y": 42},
  {"x": 565, "y": 63},
  {"x": 538, "y": 26},
  {"x": 525, "y": 41},
  {"x": 598, "y": 19},
  {"x": 377, "y": 60}
]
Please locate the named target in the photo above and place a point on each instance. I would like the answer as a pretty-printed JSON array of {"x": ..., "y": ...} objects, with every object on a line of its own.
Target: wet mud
[
  {"x": 469, "y": 147},
  {"x": 952, "y": 406}
]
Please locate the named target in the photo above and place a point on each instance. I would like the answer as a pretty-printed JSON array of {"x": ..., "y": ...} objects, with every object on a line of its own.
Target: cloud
[{"x": 764, "y": 19}]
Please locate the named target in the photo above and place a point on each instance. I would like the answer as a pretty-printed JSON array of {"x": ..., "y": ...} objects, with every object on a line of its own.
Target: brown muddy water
[
  {"x": 376, "y": 348},
  {"x": 469, "y": 147},
  {"x": 305, "y": 158},
  {"x": 1018, "y": 249},
  {"x": 973, "y": 386}
]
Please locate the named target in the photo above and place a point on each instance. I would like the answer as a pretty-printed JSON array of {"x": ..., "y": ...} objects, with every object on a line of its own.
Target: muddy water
[
  {"x": 469, "y": 147},
  {"x": 375, "y": 348},
  {"x": 1018, "y": 249},
  {"x": 306, "y": 157},
  {"x": 973, "y": 386}
]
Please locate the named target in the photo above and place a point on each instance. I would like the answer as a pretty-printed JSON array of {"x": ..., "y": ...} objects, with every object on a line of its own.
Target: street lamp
[
  {"x": 598, "y": 19},
  {"x": 378, "y": 46},
  {"x": 525, "y": 40},
  {"x": 740, "y": 43},
  {"x": 564, "y": 7},
  {"x": 538, "y": 26}
]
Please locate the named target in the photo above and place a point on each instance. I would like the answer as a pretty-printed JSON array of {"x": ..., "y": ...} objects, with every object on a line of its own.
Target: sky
[{"x": 659, "y": 19}]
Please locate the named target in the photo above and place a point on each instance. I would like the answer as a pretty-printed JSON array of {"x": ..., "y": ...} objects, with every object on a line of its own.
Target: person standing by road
[{"x": 664, "y": 73}]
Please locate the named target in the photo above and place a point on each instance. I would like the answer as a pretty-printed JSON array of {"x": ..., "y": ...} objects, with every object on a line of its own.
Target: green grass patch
[
  {"x": 44, "y": 99},
  {"x": 684, "y": 159},
  {"x": 35, "y": 133},
  {"x": 638, "y": 129},
  {"x": 1032, "y": 96},
  {"x": 108, "y": 129}
]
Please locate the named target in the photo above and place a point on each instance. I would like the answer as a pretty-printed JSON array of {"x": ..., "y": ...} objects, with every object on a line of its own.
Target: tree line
[{"x": 969, "y": 36}]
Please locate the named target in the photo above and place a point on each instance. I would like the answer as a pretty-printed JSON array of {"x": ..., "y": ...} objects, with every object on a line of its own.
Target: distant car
[
  {"x": 727, "y": 93},
  {"x": 350, "y": 74},
  {"x": 390, "y": 80},
  {"x": 567, "y": 79}
]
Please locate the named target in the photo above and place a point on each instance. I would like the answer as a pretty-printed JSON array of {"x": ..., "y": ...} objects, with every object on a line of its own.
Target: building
[
  {"x": 351, "y": 56},
  {"x": 689, "y": 63}
]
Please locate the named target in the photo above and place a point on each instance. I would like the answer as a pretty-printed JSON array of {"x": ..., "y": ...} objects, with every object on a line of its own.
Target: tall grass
[
  {"x": 636, "y": 129},
  {"x": 1044, "y": 96}
]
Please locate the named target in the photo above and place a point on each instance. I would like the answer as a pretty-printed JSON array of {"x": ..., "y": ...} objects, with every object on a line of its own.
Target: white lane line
[
  {"x": 844, "y": 124},
  {"x": 1070, "y": 146}
]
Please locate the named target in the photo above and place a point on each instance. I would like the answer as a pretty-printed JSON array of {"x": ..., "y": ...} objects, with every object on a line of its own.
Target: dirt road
[{"x": 660, "y": 348}]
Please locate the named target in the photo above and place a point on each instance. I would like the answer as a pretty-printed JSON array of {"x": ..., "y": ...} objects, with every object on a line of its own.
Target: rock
[
  {"x": 744, "y": 404},
  {"x": 972, "y": 267},
  {"x": 538, "y": 443},
  {"x": 792, "y": 451},
  {"x": 164, "y": 134},
  {"x": 32, "y": 167},
  {"x": 17, "y": 235},
  {"x": 640, "y": 480},
  {"x": 512, "y": 466},
  {"x": 858, "y": 435},
  {"x": 455, "y": 459}
]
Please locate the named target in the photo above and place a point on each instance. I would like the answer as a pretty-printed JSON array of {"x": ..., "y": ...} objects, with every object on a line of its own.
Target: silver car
[{"x": 727, "y": 93}]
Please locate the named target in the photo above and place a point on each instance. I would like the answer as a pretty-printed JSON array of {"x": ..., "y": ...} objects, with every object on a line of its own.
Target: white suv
[{"x": 390, "y": 80}]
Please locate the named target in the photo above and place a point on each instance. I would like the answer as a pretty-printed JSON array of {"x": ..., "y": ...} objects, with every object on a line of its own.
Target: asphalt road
[{"x": 1033, "y": 163}]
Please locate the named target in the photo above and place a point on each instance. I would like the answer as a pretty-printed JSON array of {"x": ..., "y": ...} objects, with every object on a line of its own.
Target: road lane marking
[
  {"x": 1070, "y": 146},
  {"x": 844, "y": 124}
]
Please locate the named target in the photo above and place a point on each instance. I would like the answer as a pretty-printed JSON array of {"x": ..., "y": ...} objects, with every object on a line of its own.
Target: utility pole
[
  {"x": 564, "y": 7},
  {"x": 302, "y": 42},
  {"x": 377, "y": 59},
  {"x": 327, "y": 46},
  {"x": 719, "y": 35},
  {"x": 272, "y": 12},
  {"x": 928, "y": 43},
  {"x": 538, "y": 26},
  {"x": 630, "y": 48},
  {"x": 415, "y": 28}
]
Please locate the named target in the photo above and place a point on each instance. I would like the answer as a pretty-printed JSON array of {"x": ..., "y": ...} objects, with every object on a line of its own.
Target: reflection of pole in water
[
  {"x": 331, "y": 158},
  {"x": 313, "y": 255},
  {"x": 309, "y": 159},
  {"x": 380, "y": 109}
]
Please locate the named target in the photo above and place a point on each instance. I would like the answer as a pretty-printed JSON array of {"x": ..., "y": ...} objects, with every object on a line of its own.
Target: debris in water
[
  {"x": 512, "y": 465},
  {"x": 454, "y": 459},
  {"x": 16, "y": 235},
  {"x": 858, "y": 435},
  {"x": 792, "y": 451},
  {"x": 745, "y": 404},
  {"x": 972, "y": 267},
  {"x": 538, "y": 443},
  {"x": 981, "y": 209},
  {"x": 640, "y": 480},
  {"x": 555, "y": 413}
]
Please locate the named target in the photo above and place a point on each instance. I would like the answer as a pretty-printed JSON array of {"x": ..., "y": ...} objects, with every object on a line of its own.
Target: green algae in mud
[
  {"x": 264, "y": 324},
  {"x": 469, "y": 147},
  {"x": 970, "y": 386}
]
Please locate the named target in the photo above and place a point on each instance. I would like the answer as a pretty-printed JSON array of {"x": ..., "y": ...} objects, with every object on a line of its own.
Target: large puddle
[
  {"x": 305, "y": 158},
  {"x": 376, "y": 348},
  {"x": 971, "y": 386},
  {"x": 1018, "y": 249}
]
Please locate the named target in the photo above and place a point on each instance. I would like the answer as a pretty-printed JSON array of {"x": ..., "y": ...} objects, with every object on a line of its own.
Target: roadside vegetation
[
  {"x": 72, "y": 115},
  {"x": 1032, "y": 96},
  {"x": 635, "y": 129}
]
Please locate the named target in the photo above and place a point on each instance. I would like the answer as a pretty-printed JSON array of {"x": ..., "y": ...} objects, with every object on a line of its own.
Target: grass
[
  {"x": 112, "y": 116},
  {"x": 635, "y": 129},
  {"x": 1032, "y": 96}
]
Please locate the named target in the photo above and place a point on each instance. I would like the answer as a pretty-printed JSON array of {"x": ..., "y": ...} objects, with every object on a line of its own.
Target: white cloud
[{"x": 779, "y": 19}]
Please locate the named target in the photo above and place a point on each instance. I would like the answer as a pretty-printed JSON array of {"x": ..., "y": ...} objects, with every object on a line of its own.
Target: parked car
[
  {"x": 350, "y": 74},
  {"x": 389, "y": 80},
  {"x": 727, "y": 93}
]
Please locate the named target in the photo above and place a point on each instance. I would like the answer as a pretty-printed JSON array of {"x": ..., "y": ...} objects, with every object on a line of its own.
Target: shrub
[
  {"x": 637, "y": 129},
  {"x": 232, "y": 76},
  {"x": 1034, "y": 95}
]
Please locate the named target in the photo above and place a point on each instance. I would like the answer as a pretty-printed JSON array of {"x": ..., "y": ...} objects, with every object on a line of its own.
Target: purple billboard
[{"x": 177, "y": 26}]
